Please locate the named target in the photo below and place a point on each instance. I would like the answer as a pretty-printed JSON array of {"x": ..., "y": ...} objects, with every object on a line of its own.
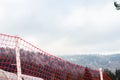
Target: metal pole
[
  {"x": 18, "y": 59},
  {"x": 101, "y": 74}
]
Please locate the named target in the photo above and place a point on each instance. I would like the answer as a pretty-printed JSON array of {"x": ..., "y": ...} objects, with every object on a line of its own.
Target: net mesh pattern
[{"x": 37, "y": 64}]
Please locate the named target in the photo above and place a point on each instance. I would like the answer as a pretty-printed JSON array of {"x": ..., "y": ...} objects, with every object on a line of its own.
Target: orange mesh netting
[{"x": 36, "y": 64}]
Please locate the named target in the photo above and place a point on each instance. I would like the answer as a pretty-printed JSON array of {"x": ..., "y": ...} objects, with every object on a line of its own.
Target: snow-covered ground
[{"x": 4, "y": 75}]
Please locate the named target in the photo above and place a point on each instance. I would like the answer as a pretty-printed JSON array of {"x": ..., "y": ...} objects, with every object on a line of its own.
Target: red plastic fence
[{"x": 39, "y": 64}]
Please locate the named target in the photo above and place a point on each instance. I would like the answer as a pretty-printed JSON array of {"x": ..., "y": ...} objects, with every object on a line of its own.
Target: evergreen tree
[
  {"x": 117, "y": 73},
  {"x": 79, "y": 76},
  {"x": 56, "y": 75},
  {"x": 110, "y": 74},
  {"x": 87, "y": 74},
  {"x": 68, "y": 76}
]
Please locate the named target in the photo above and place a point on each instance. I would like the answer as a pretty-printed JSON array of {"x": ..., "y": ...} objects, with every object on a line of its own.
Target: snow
[{"x": 4, "y": 75}]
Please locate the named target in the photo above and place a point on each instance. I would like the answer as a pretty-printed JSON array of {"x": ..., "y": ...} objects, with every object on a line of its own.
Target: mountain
[{"x": 111, "y": 62}]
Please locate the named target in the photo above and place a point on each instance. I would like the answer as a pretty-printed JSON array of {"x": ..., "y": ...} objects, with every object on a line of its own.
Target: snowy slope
[{"x": 111, "y": 62}]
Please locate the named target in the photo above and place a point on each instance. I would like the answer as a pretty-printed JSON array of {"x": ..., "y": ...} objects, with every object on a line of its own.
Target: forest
[{"x": 113, "y": 75}]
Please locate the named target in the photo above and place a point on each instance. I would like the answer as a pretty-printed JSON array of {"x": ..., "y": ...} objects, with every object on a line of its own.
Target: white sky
[{"x": 64, "y": 27}]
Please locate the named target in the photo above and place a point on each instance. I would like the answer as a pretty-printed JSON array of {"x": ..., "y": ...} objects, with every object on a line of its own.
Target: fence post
[
  {"x": 18, "y": 62},
  {"x": 101, "y": 73}
]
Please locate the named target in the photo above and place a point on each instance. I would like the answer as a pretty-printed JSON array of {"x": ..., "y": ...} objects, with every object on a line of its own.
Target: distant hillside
[{"x": 111, "y": 62}]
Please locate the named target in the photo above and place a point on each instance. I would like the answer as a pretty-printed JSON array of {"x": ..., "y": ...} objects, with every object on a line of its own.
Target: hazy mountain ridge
[{"x": 111, "y": 62}]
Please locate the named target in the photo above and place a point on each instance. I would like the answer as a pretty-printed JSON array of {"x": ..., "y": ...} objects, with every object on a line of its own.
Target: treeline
[{"x": 113, "y": 76}]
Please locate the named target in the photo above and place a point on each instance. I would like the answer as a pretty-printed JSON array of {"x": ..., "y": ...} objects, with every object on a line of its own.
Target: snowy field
[{"x": 11, "y": 76}]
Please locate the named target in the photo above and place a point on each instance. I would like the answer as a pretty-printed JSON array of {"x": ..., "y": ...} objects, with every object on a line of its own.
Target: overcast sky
[{"x": 64, "y": 27}]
